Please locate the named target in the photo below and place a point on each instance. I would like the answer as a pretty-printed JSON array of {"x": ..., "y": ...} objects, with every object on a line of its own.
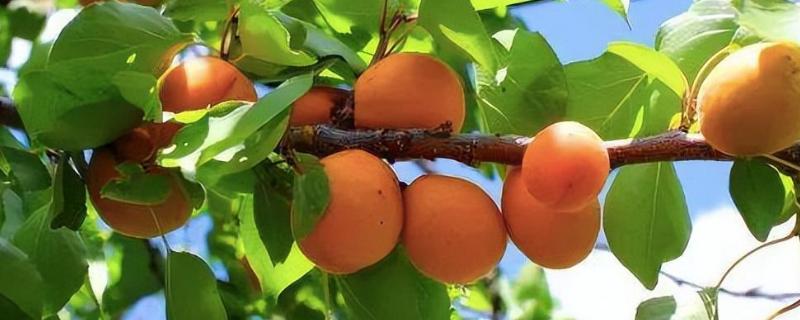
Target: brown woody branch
[
  {"x": 472, "y": 148},
  {"x": 322, "y": 140}
]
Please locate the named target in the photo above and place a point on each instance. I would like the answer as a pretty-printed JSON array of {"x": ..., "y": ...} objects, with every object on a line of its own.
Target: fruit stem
[{"x": 690, "y": 98}]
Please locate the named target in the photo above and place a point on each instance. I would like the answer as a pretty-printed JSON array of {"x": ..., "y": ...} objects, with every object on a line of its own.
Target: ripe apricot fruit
[
  {"x": 550, "y": 238},
  {"x": 316, "y": 105},
  {"x": 453, "y": 231},
  {"x": 362, "y": 222},
  {"x": 131, "y": 219},
  {"x": 565, "y": 166},
  {"x": 750, "y": 102},
  {"x": 409, "y": 90},
  {"x": 142, "y": 143},
  {"x": 201, "y": 82}
]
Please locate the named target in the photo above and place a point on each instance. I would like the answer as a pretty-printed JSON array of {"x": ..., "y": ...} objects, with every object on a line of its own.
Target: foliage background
[{"x": 599, "y": 288}]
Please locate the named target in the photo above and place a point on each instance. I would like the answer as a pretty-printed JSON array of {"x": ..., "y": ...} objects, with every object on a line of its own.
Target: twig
[{"x": 752, "y": 293}]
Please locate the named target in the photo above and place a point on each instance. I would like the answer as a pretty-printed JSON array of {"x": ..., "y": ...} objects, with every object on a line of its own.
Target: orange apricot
[
  {"x": 453, "y": 231},
  {"x": 565, "y": 166},
  {"x": 409, "y": 90},
  {"x": 316, "y": 105},
  {"x": 750, "y": 102},
  {"x": 362, "y": 222},
  {"x": 142, "y": 143},
  {"x": 550, "y": 238},
  {"x": 131, "y": 219},
  {"x": 201, "y": 82}
]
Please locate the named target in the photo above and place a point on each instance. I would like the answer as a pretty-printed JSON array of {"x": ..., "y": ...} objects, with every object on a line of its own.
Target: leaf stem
[
  {"x": 690, "y": 99},
  {"x": 326, "y": 286},
  {"x": 785, "y": 309},
  {"x": 754, "y": 250}
]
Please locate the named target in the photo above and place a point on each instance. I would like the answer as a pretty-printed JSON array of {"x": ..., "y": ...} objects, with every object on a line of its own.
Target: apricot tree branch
[{"x": 322, "y": 140}]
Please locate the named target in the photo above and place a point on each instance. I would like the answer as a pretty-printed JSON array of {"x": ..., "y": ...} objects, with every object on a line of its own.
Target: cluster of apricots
[
  {"x": 451, "y": 229},
  {"x": 194, "y": 84}
]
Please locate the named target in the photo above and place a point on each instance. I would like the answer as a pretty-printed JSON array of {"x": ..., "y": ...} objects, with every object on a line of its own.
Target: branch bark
[{"x": 471, "y": 148}]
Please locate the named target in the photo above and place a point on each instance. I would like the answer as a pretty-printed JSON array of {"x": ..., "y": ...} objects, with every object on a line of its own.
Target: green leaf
[
  {"x": 265, "y": 38},
  {"x": 529, "y": 92},
  {"x": 455, "y": 24},
  {"x": 191, "y": 289},
  {"x": 324, "y": 45},
  {"x": 693, "y": 37},
  {"x": 311, "y": 195},
  {"x": 272, "y": 211},
  {"x": 59, "y": 255},
  {"x": 393, "y": 289},
  {"x": 140, "y": 89},
  {"x": 198, "y": 10},
  {"x": 699, "y": 305},
  {"x": 131, "y": 273},
  {"x": 76, "y": 87},
  {"x": 531, "y": 295},
  {"x": 69, "y": 197},
  {"x": 137, "y": 187},
  {"x": 27, "y": 21},
  {"x": 262, "y": 112},
  {"x": 5, "y": 36},
  {"x": 758, "y": 192},
  {"x": 620, "y": 7},
  {"x": 27, "y": 169},
  {"x": 273, "y": 277},
  {"x": 491, "y": 4},
  {"x": 347, "y": 16},
  {"x": 629, "y": 91},
  {"x": 772, "y": 20},
  {"x": 20, "y": 282},
  {"x": 646, "y": 220}
]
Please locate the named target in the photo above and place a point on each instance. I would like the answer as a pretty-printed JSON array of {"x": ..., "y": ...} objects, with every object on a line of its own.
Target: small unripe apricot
[
  {"x": 362, "y": 222},
  {"x": 565, "y": 166},
  {"x": 550, "y": 238},
  {"x": 453, "y": 232},
  {"x": 750, "y": 102},
  {"x": 201, "y": 82},
  {"x": 316, "y": 105},
  {"x": 409, "y": 90},
  {"x": 131, "y": 219}
]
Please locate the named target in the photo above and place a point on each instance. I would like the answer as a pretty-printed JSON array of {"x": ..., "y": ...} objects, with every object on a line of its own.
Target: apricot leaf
[
  {"x": 69, "y": 197},
  {"x": 60, "y": 255},
  {"x": 137, "y": 187},
  {"x": 771, "y": 20},
  {"x": 130, "y": 274},
  {"x": 620, "y": 7},
  {"x": 273, "y": 277},
  {"x": 265, "y": 38},
  {"x": 191, "y": 289},
  {"x": 272, "y": 210},
  {"x": 311, "y": 195},
  {"x": 694, "y": 36},
  {"x": 198, "y": 10},
  {"x": 758, "y": 192},
  {"x": 27, "y": 169},
  {"x": 526, "y": 94},
  {"x": 454, "y": 24},
  {"x": 700, "y": 305},
  {"x": 628, "y": 91},
  {"x": 18, "y": 269},
  {"x": 394, "y": 289},
  {"x": 646, "y": 220}
]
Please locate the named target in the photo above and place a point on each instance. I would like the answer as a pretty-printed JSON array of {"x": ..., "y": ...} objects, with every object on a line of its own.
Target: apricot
[
  {"x": 565, "y": 166},
  {"x": 131, "y": 219},
  {"x": 453, "y": 231},
  {"x": 201, "y": 82},
  {"x": 362, "y": 222},
  {"x": 142, "y": 143},
  {"x": 316, "y": 105},
  {"x": 750, "y": 102},
  {"x": 409, "y": 90},
  {"x": 550, "y": 238}
]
